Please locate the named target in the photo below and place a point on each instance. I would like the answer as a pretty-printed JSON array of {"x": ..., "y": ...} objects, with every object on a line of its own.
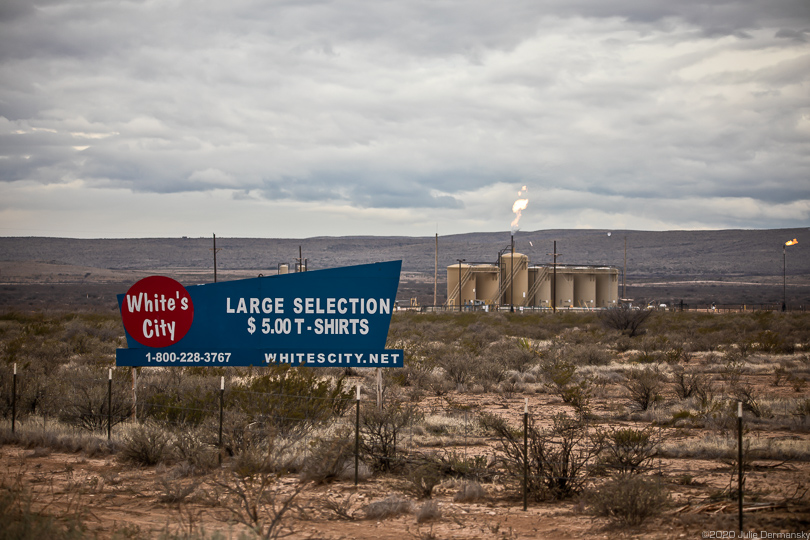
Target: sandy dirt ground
[{"x": 111, "y": 497}]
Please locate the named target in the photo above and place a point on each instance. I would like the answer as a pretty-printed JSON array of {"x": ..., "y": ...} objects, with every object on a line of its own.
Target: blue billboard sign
[{"x": 332, "y": 317}]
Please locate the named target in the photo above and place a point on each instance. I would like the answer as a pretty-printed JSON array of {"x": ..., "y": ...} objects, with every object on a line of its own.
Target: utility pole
[
  {"x": 436, "y": 270},
  {"x": 302, "y": 263},
  {"x": 554, "y": 279},
  {"x": 215, "y": 258}
]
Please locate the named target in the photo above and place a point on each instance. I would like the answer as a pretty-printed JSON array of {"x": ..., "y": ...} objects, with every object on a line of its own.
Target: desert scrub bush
[
  {"x": 422, "y": 476},
  {"x": 329, "y": 459},
  {"x": 146, "y": 444},
  {"x": 456, "y": 365},
  {"x": 628, "y": 500},
  {"x": 772, "y": 342},
  {"x": 257, "y": 499},
  {"x": 471, "y": 467},
  {"x": 558, "y": 458},
  {"x": 802, "y": 410},
  {"x": 488, "y": 371},
  {"x": 379, "y": 429},
  {"x": 590, "y": 354},
  {"x": 687, "y": 383},
  {"x": 627, "y": 450},
  {"x": 190, "y": 401},
  {"x": 195, "y": 448},
  {"x": 751, "y": 400},
  {"x": 644, "y": 387},
  {"x": 651, "y": 349},
  {"x": 478, "y": 337},
  {"x": 291, "y": 400},
  {"x": 625, "y": 320},
  {"x": 84, "y": 397},
  {"x": 562, "y": 379}
]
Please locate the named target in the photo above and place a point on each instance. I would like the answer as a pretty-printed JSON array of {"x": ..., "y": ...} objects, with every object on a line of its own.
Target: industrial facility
[{"x": 514, "y": 282}]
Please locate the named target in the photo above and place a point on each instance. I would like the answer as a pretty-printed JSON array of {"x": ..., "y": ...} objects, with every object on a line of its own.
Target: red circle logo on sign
[{"x": 157, "y": 311}]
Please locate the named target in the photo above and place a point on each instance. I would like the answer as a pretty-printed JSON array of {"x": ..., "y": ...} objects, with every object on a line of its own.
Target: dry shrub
[
  {"x": 628, "y": 500},
  {"x": 560, "y": 373},
  {"x": 391, "y": 506},
  {"x": 470, "y": 492},
  {"x": 379, "y": 429},
  {"x": 428, "y": 512},
  {"x": 172, "y": 490},
  {"x": 802, "y": 410},
  {"x": 259, "y": 501},
  {"x": 687, "y": 383},
  {"x": 147, "y": 444},
  {"x": 626, "y": 320},
  {"x": 422, "y": 478},
  {"x": 590, "y": 354},
  {"x": 627, "y": 450},
  {"x": 558, "y": 461},
  {"x": 329, "y": 459},
  {"x": 191, "y": 447},
  {"x": 644, "y": 386}
]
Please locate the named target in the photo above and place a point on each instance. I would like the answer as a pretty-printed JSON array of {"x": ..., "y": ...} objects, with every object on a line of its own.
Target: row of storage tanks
[{"x": 492, "y": 284}]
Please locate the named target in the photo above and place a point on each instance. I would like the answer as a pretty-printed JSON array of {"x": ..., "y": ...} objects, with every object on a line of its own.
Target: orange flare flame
[
  {"x": 791, "y": 242},
  {"x": 518, "y": 207}
]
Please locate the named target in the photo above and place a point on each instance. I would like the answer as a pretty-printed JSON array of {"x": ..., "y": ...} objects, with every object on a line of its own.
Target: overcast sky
[{"x": 303, "y": 118}]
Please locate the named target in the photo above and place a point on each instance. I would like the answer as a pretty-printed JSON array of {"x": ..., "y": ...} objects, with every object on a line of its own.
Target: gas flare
[
  {"x": 791, "y": 242},
  {"x": 518, "y": 207}
]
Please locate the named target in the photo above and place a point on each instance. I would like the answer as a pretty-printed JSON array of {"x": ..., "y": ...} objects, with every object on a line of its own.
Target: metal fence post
[
  {"x": 14, "y": 399},
  {"x": 526, "y": 454},
  {"x": 221, "y": 407},
  {"x": 357, "y": 437},
  {"x": 109, "y": 406},
  {"x": 740, "y": 464}
]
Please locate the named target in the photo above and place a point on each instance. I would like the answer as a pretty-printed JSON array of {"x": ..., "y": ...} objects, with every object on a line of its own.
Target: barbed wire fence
[{"x": 452, "y": 439}]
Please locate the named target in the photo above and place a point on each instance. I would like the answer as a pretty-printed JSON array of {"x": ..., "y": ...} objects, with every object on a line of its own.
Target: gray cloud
[{"x": 412, "y": 113}]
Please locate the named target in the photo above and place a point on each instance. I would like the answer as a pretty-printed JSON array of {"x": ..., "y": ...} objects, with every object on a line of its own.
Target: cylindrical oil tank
[
  {"x": 518, "y": 269},
  {"x": 607, "y": 287},
  {"x": 565, "y": 287},
  {"x": 584, "y": 288},
  {"x": 454, "y": 271},
  {"x": 486, "y": 282},
  {"x": 542, "y": 295},
  {"x": 283, "y": 268}
]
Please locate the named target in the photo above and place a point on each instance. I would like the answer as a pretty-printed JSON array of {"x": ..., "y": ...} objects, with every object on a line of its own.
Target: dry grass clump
[
  {"x": 470, "y": 492},
  {"x": 58, "y": 437},
  {"x": 145, "y": 445},
  {"x": 391, "y": 506},
  {"x": 725, "y": 447},
  {"x": 628, "y": 500},
  {"x": 429, "y": 511}
]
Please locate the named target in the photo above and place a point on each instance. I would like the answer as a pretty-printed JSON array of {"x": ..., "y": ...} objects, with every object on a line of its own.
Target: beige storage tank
[
  {"x": 520, "y": 274},
  {"x": 584, "y": 288},
  {"x": 565, "y": 287},
  {"x": 607, "y": 287},
  {"x": 486, "y": 282},
  {"x": 540, "y": 283},
  {"x": 283, "y": 268},
  {"x": 467, "y": 284}
]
